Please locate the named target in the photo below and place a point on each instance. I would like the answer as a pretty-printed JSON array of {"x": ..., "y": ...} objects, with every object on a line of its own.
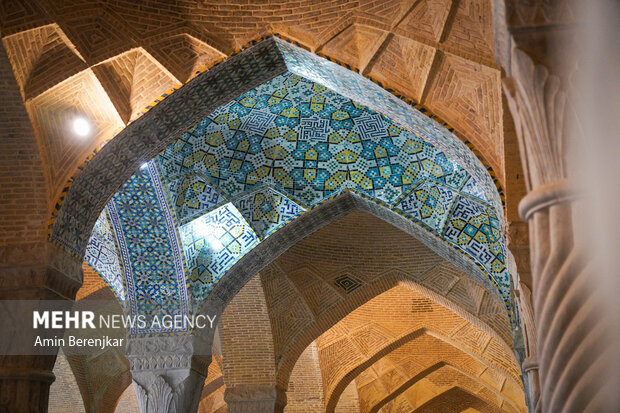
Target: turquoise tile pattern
[
  {"x": 267, "y": 210},
  {"x": 149, "y": 250},
  {"x": 362, "y": 90},
  {"x": 306, "y": 143},
  {"x": 102, "y": 254},
  {"x": 212, "y": 244},
  {"x": 262, "y": 159}
]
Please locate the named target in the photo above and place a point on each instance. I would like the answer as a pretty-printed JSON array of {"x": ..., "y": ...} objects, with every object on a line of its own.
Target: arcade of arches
[{"x": 372, "y": 197}]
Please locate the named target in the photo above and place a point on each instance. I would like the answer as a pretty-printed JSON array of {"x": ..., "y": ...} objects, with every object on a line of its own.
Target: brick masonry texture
[
  {"x": 404, "y": 347},
  {"x": 117, "y": 49},
  {"x": 23, "y": 206},
  {"x": 310, "y": 317}
]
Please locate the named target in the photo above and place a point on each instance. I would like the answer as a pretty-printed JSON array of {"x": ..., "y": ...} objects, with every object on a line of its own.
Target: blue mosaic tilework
[
  {"x": 307, "y": 142},
  {"x": 474, "y": 228},
  {"x": 472, "y": 189},
  {"x": 357, "y": 87},
  {"x": 149, "y": 248},
  {"x": 266, "y": 210},
  {"x": 285, "y": 146},
  {"x": 212, "y": 244},
  {"x": 428, "y": 202},
  {"x": 317, "y": 144},
  {"x": 102, "y": 255},
  {"x": 193, "y": 196}
]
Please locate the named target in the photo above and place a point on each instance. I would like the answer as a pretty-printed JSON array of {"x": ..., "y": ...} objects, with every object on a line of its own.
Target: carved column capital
[
  {"x": 538, "y": 103},
  {"x": 157, "y": 397},
  {"x": 157, "y": 353},
  {"x": 168, "y": 372}
]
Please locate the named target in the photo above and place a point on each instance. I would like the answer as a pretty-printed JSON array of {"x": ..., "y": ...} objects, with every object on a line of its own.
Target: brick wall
[
  {"x": 305, "y": 388},
  {"x": 23, "y": 205},
  {"x": 128, "y": 403},
  {"x": 65, "y": 394},
  {"x": 247, "y": 347}
]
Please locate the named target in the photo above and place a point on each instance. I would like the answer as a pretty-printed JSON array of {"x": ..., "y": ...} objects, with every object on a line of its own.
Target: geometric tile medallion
[
  {"x": 266, "y": 210},
  {"x": 428, "y": 202},
  {"x": 306, "y": 143},
  {"x": 193, "y": 195},
  {"x": 353, "y": 86}
]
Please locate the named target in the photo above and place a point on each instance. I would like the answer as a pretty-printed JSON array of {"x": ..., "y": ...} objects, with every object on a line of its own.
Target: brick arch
[
  {"x": 427, "y": 372},
  {"x": 331, "y": 318},
  {"x": 389, "y": 333},
  {"x": 333, "y": 397},
  {"x": 315, "y": 219},
  {"x": 311, "y": 223},
  {"x": 454, "y": 399},
  {"x": 411, "y": 363}
]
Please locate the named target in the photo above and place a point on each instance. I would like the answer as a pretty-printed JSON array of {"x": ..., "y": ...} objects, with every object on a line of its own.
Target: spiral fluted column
[{"x": 569, "y": 329}]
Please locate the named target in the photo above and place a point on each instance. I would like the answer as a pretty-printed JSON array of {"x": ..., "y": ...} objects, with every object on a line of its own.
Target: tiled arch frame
[
  {"x": 148, "y": 135},
  {"x": 316, "y": 218},
  {"x": 106, "y": 170}
]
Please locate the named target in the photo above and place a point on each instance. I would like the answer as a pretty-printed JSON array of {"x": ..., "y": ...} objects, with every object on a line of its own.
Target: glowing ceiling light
[
  {"x": 215, "y": 243},
  {"x": 210, "y": 235},
  {"x": 81, "y": 126}
]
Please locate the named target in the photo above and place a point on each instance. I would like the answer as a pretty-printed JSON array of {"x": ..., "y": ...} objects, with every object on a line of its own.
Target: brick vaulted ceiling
[
  {"x": 341, "y": 328},
  {"x": 108, "y": 60}
]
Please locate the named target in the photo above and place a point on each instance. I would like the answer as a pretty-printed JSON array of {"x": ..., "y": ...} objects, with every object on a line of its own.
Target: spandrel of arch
[{"x": 262, "y": 159}]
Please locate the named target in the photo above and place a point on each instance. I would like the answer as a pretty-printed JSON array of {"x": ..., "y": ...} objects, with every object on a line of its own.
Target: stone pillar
[
  {"x": 255, "y": 399},
  {"x": 168, "y": 372},
  {"x": 566, "y": 351},
  {"x": 25, "y": 379}
]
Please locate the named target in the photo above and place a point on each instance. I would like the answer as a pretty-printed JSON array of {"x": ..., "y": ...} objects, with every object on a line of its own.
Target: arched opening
[
  {"x": 319, "y": 282},
  {"x": 278, "y": 157}
]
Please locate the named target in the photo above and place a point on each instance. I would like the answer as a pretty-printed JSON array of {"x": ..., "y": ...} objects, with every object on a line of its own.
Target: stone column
[
  {"x": 168, "y": 372},
  {"x": 255, "y": 399},
  {"x": 25, "y": 379},
  {"x": 568, "y": 339}
]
